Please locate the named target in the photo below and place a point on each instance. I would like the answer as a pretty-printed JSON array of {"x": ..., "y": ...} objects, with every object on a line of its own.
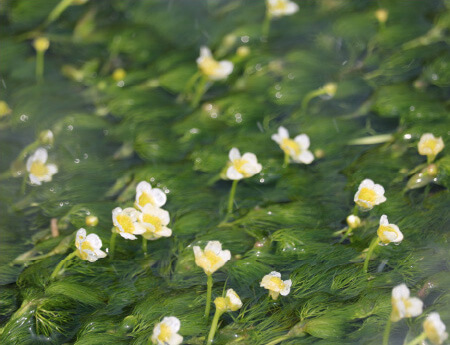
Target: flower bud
[
  {"x": 353, "y": 221},
  {"x": 432, "y": 170},
  {"x": 91, "y": 220},
  {"x": 330, "y": 89},
  {"x": 382, "y": 15},
  {"x": 46, "y": 137},
  {"x": 41, "y": 44},
  {"x": 243, "y": 51},
  {"x": 119, "y": 74}
]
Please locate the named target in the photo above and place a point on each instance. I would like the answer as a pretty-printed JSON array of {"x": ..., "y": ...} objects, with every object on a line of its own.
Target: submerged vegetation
[{"x": 128, "y": 118}]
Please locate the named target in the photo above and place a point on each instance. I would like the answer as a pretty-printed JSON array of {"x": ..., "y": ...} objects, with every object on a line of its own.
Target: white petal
[
  {"x": 283, "y": 132},
  {"x": 197, "y": 252},
  {"x": 52, "y": 169},
  {"x": 384, "y": 220},
  {"x": 172, "y": 322},
  {"x": 291, "y": 8},
  {"x": 400, "y": 291},
  {"x": 127, "y": 235},
  {"x": 214, "y": 246},
  {"x": 233, "y": 174},
  {"x": 175, "y": 339},
  {"x": 115, "y": 213},
  {"x": 303, "y": 141},
  {"x": 305, "y": 157},
  {"x": 205, "y": 52},
  {"x": 165, "y": 232},
  {"x": 94, "y": 241},
  {"x": 234, "y": 154},
  {"x": 367, "y": 183},
  {"x": 250, "y": 157},
  {"x": 225, "y": 255},
  {"x": 158, "y": 196},
  {"x": 276, "y": 138},
  {"x": 414, "y": 307},
  {"x": 226, "y": 68},
  {"x": 35, "y": 180},
  {"x": 287, "y": 287},
  {"x": 275, "y": 274},
  {"x": 40, "y": 155}
]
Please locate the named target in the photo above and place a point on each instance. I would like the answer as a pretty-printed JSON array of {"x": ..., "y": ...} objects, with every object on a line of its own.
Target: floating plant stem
[
  {"x": 200, "y": 91},
  {"x": 61, "y": 264},
  {"x": 372, "y": 246},
  {"x": 231, "y": 197},
  {"x": 57, "y": 11},
  {"x": 144, "y": 245},
  {"x": 387, "y": 331},
  {"x": 214, "y": 324},
  {"x": 418, "y": 339},
  {"x": 266, "y": 25},
  {"x": 112, "y": 244},
  {"x": 328, "y": 89},
  {"x": 209, "y": 285}
]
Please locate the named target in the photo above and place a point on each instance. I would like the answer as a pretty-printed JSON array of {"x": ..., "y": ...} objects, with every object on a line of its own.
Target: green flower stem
[
  {"x": 200, "y": 91},
  {"x": 387, "y": 331},
  {"x": 39, "y": 66},
  {"x": 209, "y": 285},
  {"x": 61, "y": 264},
  {"x": 286, "y": 160},
  {"x": 372, "y": 246},
  {"x": 231, "y": 198},
  {"x": 355, "y": 210},
  {"x": 346, "y": 234},
  {"x": 214, "y": 324},
  {"x": 57, "y": 11},
  {"x": 266, "y": 25},
  {"x": 418, "y": 339},
  {"x": 112, "y": 245},
  {"x": 191, "y": 82},
  {"x": 144, "y": 245},
  {"x": 309, "y": 96},
  {"x": 279, "y": 340}
]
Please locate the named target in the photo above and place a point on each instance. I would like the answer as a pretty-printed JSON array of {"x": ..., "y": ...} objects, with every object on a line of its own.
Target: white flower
[
  {"x": 296, "y": 148},
  {"x": 214, "y": 70},
  {"x": 275, "y": 285},
  {"x": 212, "y": 258},
  {"x": 231, "y": 302},
  {"x": 88, "y": 246},
  {"x": 155, "y": 221},
  {"x": 388, "y": 233},
  {"x": 39, "y": 171},
  {"x": 145, "y": 194},
  {"x": 403, "y": 305},
  {"x": 278, "y": 8},
  {"x": 165, "y": 332},
  {"x": 127, "y": 222},
  {"x": 353, "y": 221},
  {"x": 369, "y": 194},
  {"x": 241, "y": 167},
  {"x": 429, "y": 145},
  {"x": 435, "y": 329}
]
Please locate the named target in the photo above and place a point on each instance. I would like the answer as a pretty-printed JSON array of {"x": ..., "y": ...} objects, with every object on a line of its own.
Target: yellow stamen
[
  {"x": 289, "y": 146},
  {"x": 367, "y": 195},
  {"x": 126, "y": 223},
  {"x": 38, "y": 169},
  {"x": 165, "y": 333}
]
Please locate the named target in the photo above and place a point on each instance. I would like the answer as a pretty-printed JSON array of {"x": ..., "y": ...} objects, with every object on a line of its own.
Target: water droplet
[
  {"x": 407, "y": 136},
  {"x": 61, "y": 204},
  {"x": 412, "y": 108},
  {"x": 434, "y": 76},
  {"x": 258, "y": 67},
  {"x": 152, "y": 179},
  {"x": 76, "y": 161},
  {"x": 278, "y": 95},
  {"x": 261, "y": 180},
  {"x": 245, "y": 39},
  {"x": 291, "y": 76},
  {"x": 269, "y": 213},
  {"x": 194, "y": 130},
  {"x": 278, "y": 87},
  {"x": 85, "y": 156},
  {"x": 70, "y": 128},
  {"x": 23, "y": 118}
]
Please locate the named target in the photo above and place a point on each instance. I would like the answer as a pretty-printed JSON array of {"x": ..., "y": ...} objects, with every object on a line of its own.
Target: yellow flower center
[
  {"x": 165, "y": 333},
  {"x": 280, "y": 5},
  {"x": 387, "y": 234},
  {"x": 38, "y": 169},
  {"x": 430, "y": 144},
  {"x": 145, "y": 199},
  {"x": 368, "y": 195},
  {"x": 126, "y": 223},
  {"x": 82, "y": 250},
  {"x": 221, "y": 303},
  {"x": 238, "y": 165},
  {"x": 209, "y": 66},
  {"x": 275, "y": 284},
  {"x": 212, "y": 258},
  {"x": 290, "y": 147},
  {"x": 155, "y": 221},
  {"x": 431, "y": 332}
]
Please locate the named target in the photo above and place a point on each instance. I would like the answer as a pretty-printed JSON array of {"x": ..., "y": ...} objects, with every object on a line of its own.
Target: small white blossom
[
  {"x": 369, "y": 194},
  {"x": 231, "y": 302},
  {"x": 155, "y": 221},
  {"x": 166, "y": 332},
  {"x": 435, "y": 329},
  {"x": 88, "y": 247},
  {"x": 212, "y": 258},
  {"x": 39, "y": 171},
  {"x": 214, "y": 70},
  {"x": 403, "y": 305},
  {"x": 127, "y": 222},
  {"x": 275, "y": 285},
  {"x": 429, "y": 145},
  {"x": 297, "y": 148},
  {"x": 388, "y": 233},
  {"x": 145, "y": 194},
  {"x": 278, "y": 8},
  {"x": 242, "y": 167}
]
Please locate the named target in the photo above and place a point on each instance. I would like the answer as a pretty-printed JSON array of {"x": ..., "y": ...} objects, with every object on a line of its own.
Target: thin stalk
[
  {"x": 309, "y": 96},
  {"x": 279, "y": 339},
  {"x": 355, "y": 210},
  {"x": 266, "y": 25},
  {"x": 387, "y": 331},
  {"x": 418, "y": 339},
  {"x": 372, "y": 246},
  {"x": 231, "y": 197},
  {"x": 191, "y": 82},
  {"x": 200, "y": 91},
  {"x": 61, "y": 264},
  {"x": 56, "y": 12},
  {"x": 209, "y": 285},
  {"x": 286, "y": 160},
  {"x": 112, "y": 245},
  {"x": 144, "y": 245},
  {"x": 214, "y": 324},
  {"x": 346, "y": 234},
  {"x": 39, "y": 66}
]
